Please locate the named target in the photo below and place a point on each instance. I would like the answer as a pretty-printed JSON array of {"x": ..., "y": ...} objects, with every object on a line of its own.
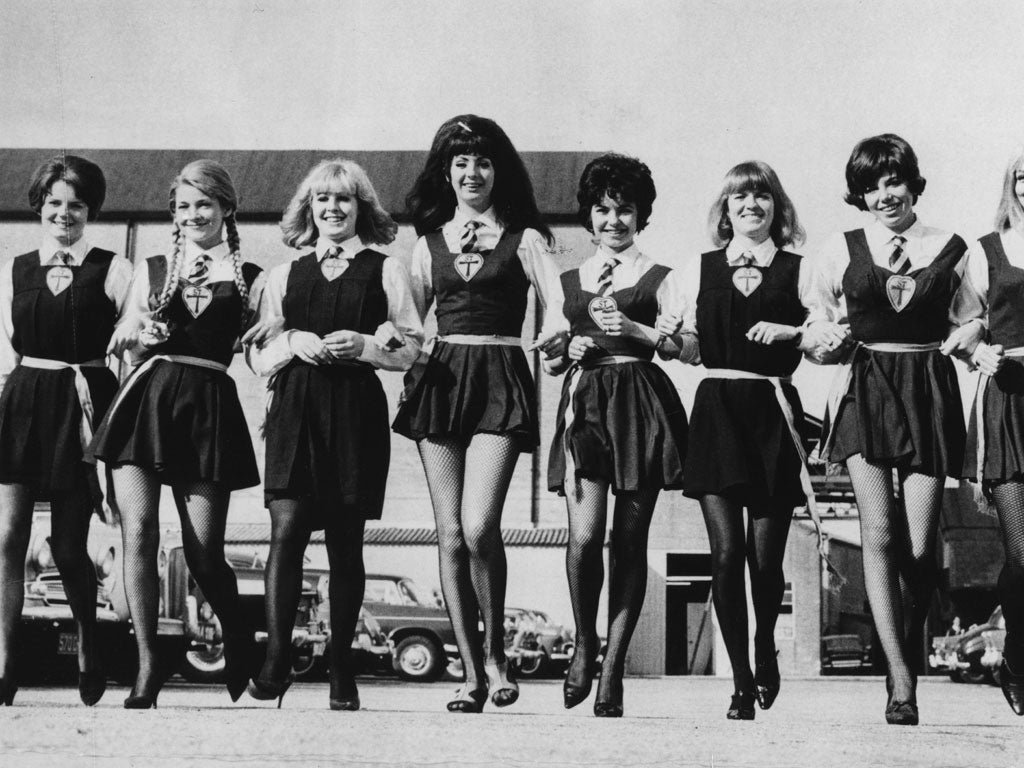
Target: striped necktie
[
  {"x": 199, "y": 273},
  {"x": 468, "y": 241},
  {"x": 899, "y": 260},
  {"x": 62, "y": 258},
  {"x": 333, "y": 264},
  {"x": 747, "y": 259},
  {"x": 604, "y": 281}
]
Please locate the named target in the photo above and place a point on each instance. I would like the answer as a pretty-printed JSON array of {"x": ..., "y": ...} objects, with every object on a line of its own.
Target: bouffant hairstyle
[
  {"x": 374, "y": 225},
  {"x": 84, "y": 175},
  {"x": 1010, "y": 214},
  {"x": 623, "y": 179},
  {"x": 879, "y": 156},
  {"x": 432, "y": 201},
  {"x": 755, "y": 176}
]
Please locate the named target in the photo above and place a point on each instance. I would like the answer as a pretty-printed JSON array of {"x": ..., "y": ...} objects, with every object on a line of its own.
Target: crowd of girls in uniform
[{"x": 890, "y": 303}]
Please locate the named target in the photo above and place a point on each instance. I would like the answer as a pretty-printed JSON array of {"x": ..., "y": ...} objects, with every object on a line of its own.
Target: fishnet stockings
[
  {"x": 899, "y": 559},
  {"x": 1009, "y": 498},
  {"x": 468, "y": 485}
]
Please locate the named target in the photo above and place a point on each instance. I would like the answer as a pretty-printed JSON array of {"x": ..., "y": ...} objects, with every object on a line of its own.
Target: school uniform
[
  {"x": 898, "y": 401},
  {"x": 327, "y": 425},
  {"x": 178, "y": 415},
  {"x": 996, "y": 272},
  {"x": 477, "y": 379},
  {"x": 57, "y": 315},
  {"x": 746, "y": 450},
  {"x": 619, "y": 419}
]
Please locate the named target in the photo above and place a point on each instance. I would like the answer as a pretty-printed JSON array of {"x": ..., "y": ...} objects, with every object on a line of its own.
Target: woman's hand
[
  {"x": 387, "y": 337},
  {"x": 344, "y": 345},
  {"x": 153, "y": 333},
  {"x": 309, "y": 348},
  {"x": 580, "y": 347},
  {"x": 764, "y": 332},
  {"x": 617, "y": 324},
  {"x": 989, "y": 358},
  {"x": 125, "y": 337},
  {"x": 263, "y": 330},
  {"x": 963, "y": 340},
  {"x": 825, "y": 336},
  {"x": 553, "y": 346},
  {"x": 668, "y": 325}
]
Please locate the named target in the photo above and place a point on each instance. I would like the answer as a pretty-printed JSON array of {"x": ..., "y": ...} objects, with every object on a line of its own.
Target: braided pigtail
[
  {"x": 171, "y": 280},
  {"x": 231, "y": 229}
]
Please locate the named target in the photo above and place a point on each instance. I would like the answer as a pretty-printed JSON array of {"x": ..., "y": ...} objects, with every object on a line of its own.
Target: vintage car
[
  {"x": 972, "y": 655},
  {"x": 844, "y": 653},
  {"x": 535, "y": 644}
]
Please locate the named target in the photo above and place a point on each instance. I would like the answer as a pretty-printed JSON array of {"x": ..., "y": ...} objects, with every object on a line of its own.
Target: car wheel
[
  {"x": 417, "y": 658},
  {"x": 204, "y": 663},
  {"x": 532, "y": 666},
  {"x": 302, "y": 663}
]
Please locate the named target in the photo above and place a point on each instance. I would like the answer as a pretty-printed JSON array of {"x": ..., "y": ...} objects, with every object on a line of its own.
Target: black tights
[
  {"x": 202, "y": 508},
  {"x": 587, "y": 502},
  {"x": 900, "y": 573},
  {"x": 468, "y": 484},
  {"x": 291, "y": 525},
  {"x": 1009, "y": 498},
  {"x": 70, "y": 515},
  {"x": 762, "y": 548}
]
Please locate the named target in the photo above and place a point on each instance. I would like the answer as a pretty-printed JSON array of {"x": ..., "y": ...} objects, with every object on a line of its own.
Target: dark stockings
[
  {"x": 15, "y": 531},
  {"x": 763, "y": 549},
  {"x": 899, "y": 559},
  {"x": 587, "y": 502},
  {"x": 1009, "y": 498},
  {"x": 468, "y": 485}
]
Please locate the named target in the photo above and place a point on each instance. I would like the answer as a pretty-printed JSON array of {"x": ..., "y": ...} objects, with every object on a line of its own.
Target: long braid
[
  {"x": 173, "y": 268},
  {"x": 231, "y": 229}
]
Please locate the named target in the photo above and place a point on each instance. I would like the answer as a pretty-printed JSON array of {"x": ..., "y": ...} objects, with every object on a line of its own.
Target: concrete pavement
[{"x": 834, "y": 722}]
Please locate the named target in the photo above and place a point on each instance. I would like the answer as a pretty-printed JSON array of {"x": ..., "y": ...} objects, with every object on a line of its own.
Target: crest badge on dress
[
  {"x": 900, "y": 290},
  {"x": 197, "y": 298},
  {"x": 332, "y": 268},
  {"x": 468, "y": 264},
  {"x": 747, "y": 279},
  {"x": 601, "y": 305},
  {"x": 58, "y": 279}
]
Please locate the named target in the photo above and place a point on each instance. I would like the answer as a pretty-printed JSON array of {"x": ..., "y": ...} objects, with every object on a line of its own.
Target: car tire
[
  {"x": 418, "y": 659},
  {"x": 204, "y": 663},
  {"x": 533, "y": 667}
]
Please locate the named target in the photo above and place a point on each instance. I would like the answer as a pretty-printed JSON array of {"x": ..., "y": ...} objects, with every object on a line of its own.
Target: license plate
[
  {"x": 208, "y": 633},
  {"x": 67, "y": 644}
]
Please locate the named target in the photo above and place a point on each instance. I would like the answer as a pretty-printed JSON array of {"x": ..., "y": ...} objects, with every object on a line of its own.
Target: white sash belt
[
  {"x": 136, "y": 377},
  {"x": 979, "y": 416},
  {"x": 481, "y": 340},
  {"x": 81, "y": 386}
]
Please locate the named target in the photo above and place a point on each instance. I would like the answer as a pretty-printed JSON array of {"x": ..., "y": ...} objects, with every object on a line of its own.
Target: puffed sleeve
[
  {"x": 275, "y": 353},
  {"x": 137, "y": 310},
  {"x": 542, "y": 269},
  {"x": 118, "y": 284},
  {"x": 971, "y": 299},
  {"x": 677, "y": 295},
  {"x": 403, "y": 314},
  {"x": 824, "y": 298},
  {"x": 8, "y": 357},
  {"x": 421, "y": 283}
]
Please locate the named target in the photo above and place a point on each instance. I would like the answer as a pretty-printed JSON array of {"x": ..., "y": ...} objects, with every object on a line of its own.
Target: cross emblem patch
[
  {"x": 599, "y": 305},
  {"x": 197, "y": 298},
  {"x": 747, "y": 279},
  {"x": 899, "y": 289},
  {"x": 468, "y": 264},
  {"x": 333, "y": 267},
  {"x": 58, "y": 279}
]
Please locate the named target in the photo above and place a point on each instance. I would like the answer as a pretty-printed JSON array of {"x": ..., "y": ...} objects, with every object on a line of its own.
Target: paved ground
[{"x": 831, "y": 722}]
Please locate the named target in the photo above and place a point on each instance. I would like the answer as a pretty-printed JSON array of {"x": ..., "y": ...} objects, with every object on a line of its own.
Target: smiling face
[
  {"x": 614, "y": 223},
  {"x": 199, "y": 216},
  {"x": 891, "y": 202},
  {"x": 472, "y": 178},
  {"x": 1018, "y": 185},
  {"x": 335, "y": 213},
  {"x": 751, "y": 214},
  {"x": 63, "y": 213}
]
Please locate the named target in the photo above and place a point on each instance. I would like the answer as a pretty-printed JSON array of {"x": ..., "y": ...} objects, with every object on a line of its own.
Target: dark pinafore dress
[
  {"x": 742, "y": 446},
  {"x": 184, "y": 422},
  {"x": 467, "y": 389},
  {"x": 1003, "y": 405},
  {"x": 621, "y": 422},
  {"x": 327, "y": 425},
  {"x": 901, "y": 409},
  {"x": 40, "y": 410}
]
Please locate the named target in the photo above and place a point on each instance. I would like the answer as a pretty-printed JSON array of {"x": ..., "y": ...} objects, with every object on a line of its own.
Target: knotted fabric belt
[{"x": 81, "y": 387}]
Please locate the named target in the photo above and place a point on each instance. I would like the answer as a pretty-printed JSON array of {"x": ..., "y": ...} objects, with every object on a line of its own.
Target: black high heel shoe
[
  {"x": 609, "y": 698},
  {"x": 7, "y": 690},
  {"x": 901, "y": 712},
  {"x": 501, "y": 683},
  {"x": 741, "y": 707},
  {"x": 1013, "y": 688},
  {"x": 573, "y": 692},
  {"x": 268, "y": 690},
  {"x": 344, "y": 693},
  {"x": 91, "y": 686},
  {"x": 767, "y": 681},
  {"x": 146, "y": 699},
  {"x": 239, "y": 653},
  {"x": 468, "y": 700}
]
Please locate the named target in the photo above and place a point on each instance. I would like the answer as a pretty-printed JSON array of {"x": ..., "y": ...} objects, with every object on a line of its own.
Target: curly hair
[
  {"x": 373, "y": 223},
  {"x": 84, "y": 175},
  {"x": 1010, "y": 213},
  {"x": 877, "y": 156},
  {"x": 620, "y": 177},
  {"x": 755, "y": 176},
  {"x": 432, "y": 202}
]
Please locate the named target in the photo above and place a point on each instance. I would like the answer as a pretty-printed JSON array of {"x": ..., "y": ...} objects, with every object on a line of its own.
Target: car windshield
[
  {"x": 396, "y": 592},
  {"x": 415, "y": 594}
]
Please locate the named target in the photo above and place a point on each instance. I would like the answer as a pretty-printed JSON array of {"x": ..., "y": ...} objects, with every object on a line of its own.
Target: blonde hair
[
  {"x": 755, "y": 176},
  {"x": 373, "y": 224},
  {"x": 1010, "y": 214},
  {"x": 212, "y": 179}
]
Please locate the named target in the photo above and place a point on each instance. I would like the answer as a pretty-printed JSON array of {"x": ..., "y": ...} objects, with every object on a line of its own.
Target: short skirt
[
  {"x": 182, "y": 422},
  {"x": 328, "y": 439},
  {"x": 903, "y": 410},
  {"x": 40, "y": 426},
  {"x": 627, "y": 427},
  {"x": 1004, "y": 428},
  {"x": 741, "y": 445},
  {"x": 466, "y": 389}
]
